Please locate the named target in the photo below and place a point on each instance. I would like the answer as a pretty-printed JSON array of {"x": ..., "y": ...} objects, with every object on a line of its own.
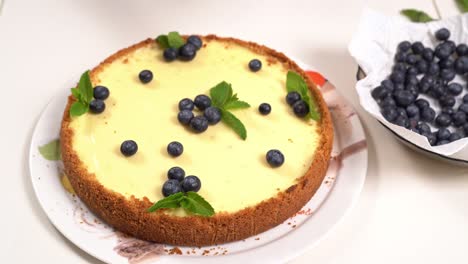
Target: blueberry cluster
[
  {"x": 211, "y": 114},
  {"x": 97, "y": 105},
  {"x": 299, "y": 106},
  {"x": 420, "y": 70},
  {"x": 186, "y": 52},
  {"x": 177, "y": 182}
]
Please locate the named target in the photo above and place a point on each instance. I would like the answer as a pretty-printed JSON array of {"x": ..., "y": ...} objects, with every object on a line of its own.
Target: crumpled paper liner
[{"x": 374, "y": 47}]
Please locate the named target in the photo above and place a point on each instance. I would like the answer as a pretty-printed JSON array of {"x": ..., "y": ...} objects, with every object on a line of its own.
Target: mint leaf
[
  {"x": 51, "y": 150},
  {"x": 295, "y": 83},
  {"x": 175, "y": 40},
  {"x": 194, "y": 203},
  {"x": 172, "y": 201},
  {"x": 78, "y": 108},
  {"x": 85, "y": 87},
  {"x": 232, "y": 105},
  {"x": 416, "y": 15},
  {"x": 163, "y": 41},
  {"x": 221, "y": 93},
  {"x": 76, "y": 93},
  {"x": 462, "y": 5},
  {"x": 233, "y": 122}
]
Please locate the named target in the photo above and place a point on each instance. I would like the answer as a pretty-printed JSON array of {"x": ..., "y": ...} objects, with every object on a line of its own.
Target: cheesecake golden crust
[{"x": 129, "y": 215}]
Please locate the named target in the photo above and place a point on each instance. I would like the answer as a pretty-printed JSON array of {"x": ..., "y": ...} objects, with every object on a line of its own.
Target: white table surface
[{"x": 412, "y": 210}]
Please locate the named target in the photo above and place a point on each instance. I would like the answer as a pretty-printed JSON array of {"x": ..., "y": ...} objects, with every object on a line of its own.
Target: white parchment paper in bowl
[{"x": 374, "y": 47}]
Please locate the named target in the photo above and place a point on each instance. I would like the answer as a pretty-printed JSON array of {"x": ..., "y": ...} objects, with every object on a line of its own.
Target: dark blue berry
[
  {"x": 171, "y": 187},
  {"x": 292, "y": 97},
  {"x": 443, "y": 120},
  {"x": 443, "y": 134},
  {"x": 450, "y": 45},
  {"x": 417, "y": 47},
  {"x": 446, "y": 63},
  {"x": 389, "y": 113},
  {"x": 191, "y": 184},
  {"x": 431, "y": 137},
  {"x": 413, "y": 89},
  {"x": 202, "y": 102},
  {"x": 255, "y": 65},
  {"x": 387, "y": 84},
  {"x": 423, "y": 127},
  {"x": 388, "y": 101},
  {"x": 399, "y": 67},
  {"x": 399, "y": 86},
  {"x": 447, "y": 74},
  {"x": 379, "y": 92},
  {"x": 412, "y": 70},
  {"x": 397, "y": 77},
  {"x": 465, "y": 98},
  {"x": 428, "y": 54},
  {"x": 421, "y": 103},
  {"x": 411, "y": 79},
  {"x": 401, "y": 111},
  {"x": 404, "y": 98},
  {"x": 402, "y": 121},
  {"x": 145, "y": 76},
  {"x": 461, "y": 65},
  {"x": 100, "y": 92},
  {"x": 199, "y": 124},
  {"x": 400, "y": 57},
  {"x": 97, "y": 106},
  {"x": 448, "y": 110},
  {"x": 187, "y": 52},
  {"x": 422, "y": 66},
  {"x": 213, "y": 115},
  {"x": 264, "y": 108},
  {"x": 433, "y": 69},
  {"x": 412, "y": 59},
  {"x": 412, "y": 110},
  {"x": 442, "y": 51},
  {"x": 186, "y": 104},
  {"x": 455, "y": 136},
  {"x": 427, "y": 114},
  {"x": 275, "y": 158},
  {"x": 128, "y": 148},
  {"x": 442, "y": 34},
  {"x": 404, "y": 46},
  {"x": 464, "y": 108},
  {"x": 465, "y": 128},
  {"x": 176, "y": 173},
  {"x": 301, "y": 108},
  {"x": 459, "y": 118},
  {"x": 170, "y": 54},
  {"x": 455, "y": 88},
  {"x": 447, "y": 100},
  {"x": 195, "y": 41},
  {"x": 175, "y": 149},
  {"x": 462, "y": 49},
  {"x": 184, "y": 117}
]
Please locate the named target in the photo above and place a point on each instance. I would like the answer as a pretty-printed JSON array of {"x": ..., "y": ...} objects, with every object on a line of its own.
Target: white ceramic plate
[{"x": 337, "y": 194}]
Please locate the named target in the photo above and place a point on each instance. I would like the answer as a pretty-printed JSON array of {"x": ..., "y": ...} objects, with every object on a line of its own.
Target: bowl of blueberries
[{"x": 425, "y": 94}]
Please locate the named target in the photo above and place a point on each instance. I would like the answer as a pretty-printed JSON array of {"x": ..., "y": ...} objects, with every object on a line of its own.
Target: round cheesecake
[{"x": 248, "y": 195}]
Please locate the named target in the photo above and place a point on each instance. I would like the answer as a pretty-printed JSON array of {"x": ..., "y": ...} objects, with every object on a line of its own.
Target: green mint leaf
[
  {"x": 175, "y": 40},
  {"x": 295, "y": 83},
  {"x": 232, "y": 105},
  {"x": 78, "y": 108},
  {"x": 220, "y": 94},
  {"x": 76, "y": 93},
  {"x": 462, "y": 5},
  {"x": 416, "y": 15},
  {"x": 86, "y": 88},
  {"x": 172, "y": 201},
  {"x": 51, "y": 150},
  {"x": 195, "y": 204},
  {"x": 163, "y": 41},
  {"x": 233, "y": 122}
]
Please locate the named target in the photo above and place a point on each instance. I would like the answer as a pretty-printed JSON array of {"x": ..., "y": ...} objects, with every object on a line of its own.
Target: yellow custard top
[{"x": 233, "y": 172}]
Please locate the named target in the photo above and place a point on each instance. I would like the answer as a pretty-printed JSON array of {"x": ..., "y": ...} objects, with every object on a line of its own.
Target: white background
[{"x": 412, "y": 210}]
